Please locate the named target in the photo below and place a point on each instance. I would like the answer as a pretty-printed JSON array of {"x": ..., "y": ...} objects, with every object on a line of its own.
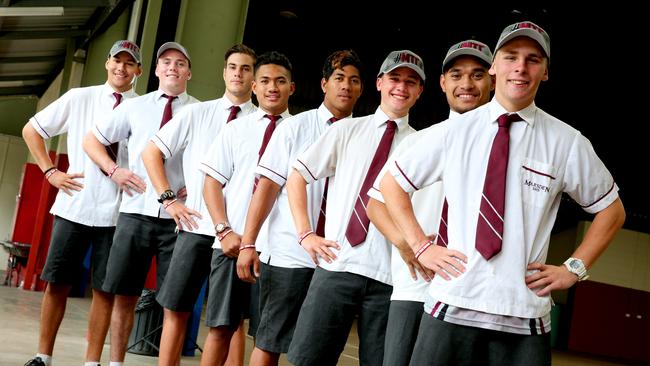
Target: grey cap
[
  {"x": 173, "y": 46},
  {"x": 526, "y": 29},
  {"x": 128, "y": 47},
  {"x": 469, "y": 47},
  {"x": 404, "y": 58}
]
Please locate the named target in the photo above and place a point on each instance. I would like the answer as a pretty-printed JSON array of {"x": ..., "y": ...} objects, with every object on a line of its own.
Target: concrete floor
[{"x": 19, "y": 323}]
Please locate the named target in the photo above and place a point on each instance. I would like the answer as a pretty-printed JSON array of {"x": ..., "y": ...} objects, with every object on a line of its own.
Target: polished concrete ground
[{"x": 19, "y": 319}]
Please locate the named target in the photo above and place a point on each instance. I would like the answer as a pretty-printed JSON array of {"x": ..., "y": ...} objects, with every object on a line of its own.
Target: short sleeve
[
  {"x": 586, "y": 178},
  {"x": 274, "y": 163},
  {"x": 116, "y": 127},
  {"x": 319, "y": 160},
  {"x": 53, "y": 119},
  {"x": 218, "y": 162},
  {"x": 173, "y": 136}
]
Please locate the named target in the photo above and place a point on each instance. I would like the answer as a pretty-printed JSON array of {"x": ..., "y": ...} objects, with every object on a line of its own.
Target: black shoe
[{"x": 36, "y": 361}]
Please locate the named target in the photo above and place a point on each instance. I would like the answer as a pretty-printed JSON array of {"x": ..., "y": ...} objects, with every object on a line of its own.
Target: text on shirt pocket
[{"x": 538, "y": 182}]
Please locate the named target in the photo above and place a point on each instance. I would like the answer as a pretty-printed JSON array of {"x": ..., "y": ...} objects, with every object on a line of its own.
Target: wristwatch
[
  {"x": 577, "y": 267},
  {"x": 221, "y": 227},
  {"x": 166, "y": 195}
]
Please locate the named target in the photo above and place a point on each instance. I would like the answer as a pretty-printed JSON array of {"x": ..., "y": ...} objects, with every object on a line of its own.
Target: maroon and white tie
[
  {"x": 233, "y": 113},
  {"x": 320, "y": 224},
  {"x": 359, "y": 222},
  {"x": 167, "y": 112},
  {"x": 265, "y": 141},
  {"x": 443, "y": 239},
  {"x": 114, "y": 147},
  {"x": 489, "y": 229}
]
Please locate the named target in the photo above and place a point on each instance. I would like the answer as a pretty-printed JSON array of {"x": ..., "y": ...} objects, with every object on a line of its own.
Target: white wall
[{"x": 13, "y": 156}]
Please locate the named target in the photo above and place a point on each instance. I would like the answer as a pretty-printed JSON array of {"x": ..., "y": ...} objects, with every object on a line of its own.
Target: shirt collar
[
  {"x": 260, "y": 113},
  {"x": 380, "y": 118},
  {"x": 325, "y": 115},
  {"x": 527, "y": 114},
  {"x": 453, "y": 113},
  {"x": 183, "y": 97},
  {"x": 226, "y": 104},
  {"x": 108, "y": 90}
]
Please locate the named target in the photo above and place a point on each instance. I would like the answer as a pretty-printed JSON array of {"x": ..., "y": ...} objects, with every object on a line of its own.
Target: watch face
[
  {"x": 220, "y": 227},
  {"x": 574, "y": 264}
]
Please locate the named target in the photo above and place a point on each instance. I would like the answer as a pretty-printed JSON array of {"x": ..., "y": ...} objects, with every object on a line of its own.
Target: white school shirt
[
  {"x": 289, "y": 140},
  {"x": 136, "y": 121},
  {"x": 344, "y": 153},
  {"x": 232, "y": 160},
  {"x": 76, "y": 112},
  {"x": 547, "y": 157},
  {"x": 191, "y": 133},
  {"x": 427, "y": 205}
]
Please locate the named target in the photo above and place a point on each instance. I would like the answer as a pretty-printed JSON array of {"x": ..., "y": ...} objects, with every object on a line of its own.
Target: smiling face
[
  {"x": 400, "y": 89},
  {"x": 238, "y": 76},
  {"x": 120, "y": 70},
  {"x": 519, "y": 67},
  {"x": 466, "y": 84},
  {"x": 173, "y": 71},
  {"x": 342, "y": 90},
  {"x": 273, "y": 86}
]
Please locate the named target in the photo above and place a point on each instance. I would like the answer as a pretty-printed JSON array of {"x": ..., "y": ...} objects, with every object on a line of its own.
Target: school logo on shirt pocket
[{"x": 537, "y": 182}]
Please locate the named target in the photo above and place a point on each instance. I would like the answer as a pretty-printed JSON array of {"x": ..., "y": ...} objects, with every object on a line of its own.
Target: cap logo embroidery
[
  {"x": 473, "y": 45},
  {"x": 408, "y": 58},
  {"x": 528, "y": 25}
]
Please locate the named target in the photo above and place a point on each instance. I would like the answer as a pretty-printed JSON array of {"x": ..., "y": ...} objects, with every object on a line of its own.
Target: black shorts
[
  {"x": 138, "y": 238},
  {"x": 402, "y": 331},
  {"x": 443, "y": 343},
  {"x": 228, "y": 296},
  {"x": 326, "y": 316},
  {"x": 189, "y": 267},
  {"x": 68, "y": 247},
  {"x": 282, "y": 291}
]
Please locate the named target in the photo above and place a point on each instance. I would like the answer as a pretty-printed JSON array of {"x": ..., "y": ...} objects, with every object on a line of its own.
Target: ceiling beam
[
  {"x": 53, "y": 34},
  {"x": 29, "y": 59},
  {"x": 20, "y": 90},
  {"x": 22, "y": 77},
  {"x": 65, "y": 3}
]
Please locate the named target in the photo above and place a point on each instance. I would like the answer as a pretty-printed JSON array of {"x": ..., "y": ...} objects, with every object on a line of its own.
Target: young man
[
  {"x": 190, "y": 134},
  {"x": 229, "y": 185},
  {"x": 353, "y": 276},
  {"x": 287, "y": 269},
  {"x": 86, "y": 205},
  {"x": 504, "y": 167},
  {"x": 144, "y": 227},
  {"x": 467, "y": 85}
]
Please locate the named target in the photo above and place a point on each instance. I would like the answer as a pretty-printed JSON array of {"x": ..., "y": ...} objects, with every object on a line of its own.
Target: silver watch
[
  {"x": 221, "y": 227},
  {"x": 577, "y": 267}
]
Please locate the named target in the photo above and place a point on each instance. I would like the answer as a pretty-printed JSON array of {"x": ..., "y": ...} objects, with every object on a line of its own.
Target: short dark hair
[
  {"x": 275, "y": 58},
  {"x": 240, "y": 48},
  {"x": 340, "y": 59}
]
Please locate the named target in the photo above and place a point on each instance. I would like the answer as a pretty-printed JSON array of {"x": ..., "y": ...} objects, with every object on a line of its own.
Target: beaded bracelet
[
  {"x": 50, "y": 172},
  {"x": 247, "y": 246},
  {"x": 424, "y": 247},
  {"x": 304, "y": 235},
  {"x": 170, "y": 203},
  {"x": 224, "y": 234},
  {"x": 113, "y": 169}
]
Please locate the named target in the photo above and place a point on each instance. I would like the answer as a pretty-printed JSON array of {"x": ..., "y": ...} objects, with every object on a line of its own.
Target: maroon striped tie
[
  {"x": 113, "y": 148},
  {"x": 265, "y": 141},
  {"x": 489, "y": 229},
  {"x": 233, "y": 113},
  {"x": 443, "y": 239},
  {"x": 358, "y": 225},
  {"x": 167, "y": 113},
  {"x": 320, "y": 225}
]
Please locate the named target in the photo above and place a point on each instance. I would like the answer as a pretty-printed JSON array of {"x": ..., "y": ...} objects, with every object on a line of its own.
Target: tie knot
[
  {"x": 273, "y": 118},
  {"x": 118, "y": 96},
  {"x": 170, "y": 98},
  {"x": 506, "y": 119},
  {"x": 391, "y": 125},
  {"x": 332, "y": 120},
  {"x": 235, "y": 109}
]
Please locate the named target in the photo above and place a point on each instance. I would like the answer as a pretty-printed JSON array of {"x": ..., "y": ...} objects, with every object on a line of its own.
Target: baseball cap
[
  {"x": 126, "y": 46},
  {"x": 173, "y": 46},
  {"x": 527, "y": 29},
  {"x": 404, "y": 58},
  {"x": 469, "y": 47}
]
